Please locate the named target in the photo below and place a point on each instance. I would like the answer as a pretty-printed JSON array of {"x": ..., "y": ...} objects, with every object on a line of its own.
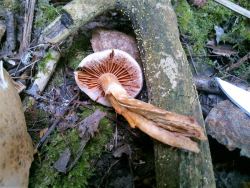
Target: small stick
[
  {"x": 234, "y": 7},
  {"x": 192, "y": 60},
  {"x": 107, "y": 173},
  {"x": 53, "y": 126},
  {"x": 79, "y": 153}
]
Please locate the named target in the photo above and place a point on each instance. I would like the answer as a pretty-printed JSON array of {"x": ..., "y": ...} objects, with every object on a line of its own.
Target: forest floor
[{"x": 117, "y": 155}]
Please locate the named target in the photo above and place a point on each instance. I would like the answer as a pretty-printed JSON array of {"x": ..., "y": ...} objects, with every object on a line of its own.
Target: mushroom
[
  {"x": 114, "y": 78},
  {"x": 103, "y": 39},
  {"x": 16, "y": 149}
]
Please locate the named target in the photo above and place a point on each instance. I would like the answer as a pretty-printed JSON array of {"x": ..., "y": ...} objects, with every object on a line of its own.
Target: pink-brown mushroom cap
[{"x": 117, "y": 62}]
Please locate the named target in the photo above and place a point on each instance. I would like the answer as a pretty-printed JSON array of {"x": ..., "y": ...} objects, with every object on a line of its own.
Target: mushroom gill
[{"x": 114, "y": 78}]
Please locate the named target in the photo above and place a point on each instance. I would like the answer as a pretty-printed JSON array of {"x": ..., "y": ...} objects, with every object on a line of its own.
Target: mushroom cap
[
  {"x": 117, "y": 62},
  {"x": 103, "y": 39}
]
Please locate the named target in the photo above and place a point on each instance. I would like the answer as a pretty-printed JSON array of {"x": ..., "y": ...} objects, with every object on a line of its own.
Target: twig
[
  {"x": 53, "y": 126},
  {"x": 234, "y": 7},
  {"x": 24, "y": 68},
  {"x": 79, "y": 153},
  {"x": 107, "y": 173},
  {"x": 239, "y": 62},
  {"x": 191, "y": 57},
  {"x": 28, "y": 19}
]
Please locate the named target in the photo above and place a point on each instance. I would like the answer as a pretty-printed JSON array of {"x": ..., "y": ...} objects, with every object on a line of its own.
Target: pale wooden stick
[
  {"x": 234, "y": 7},
  {"x": 28, "y": 20}
]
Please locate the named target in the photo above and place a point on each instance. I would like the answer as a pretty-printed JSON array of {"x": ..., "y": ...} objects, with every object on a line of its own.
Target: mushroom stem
[{"x": 166, "y": 127}]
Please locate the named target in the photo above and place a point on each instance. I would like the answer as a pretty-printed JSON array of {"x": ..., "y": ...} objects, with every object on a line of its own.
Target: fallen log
[
  {"x": 28, "y": 20},
  {"x": 168, "y": 78}
]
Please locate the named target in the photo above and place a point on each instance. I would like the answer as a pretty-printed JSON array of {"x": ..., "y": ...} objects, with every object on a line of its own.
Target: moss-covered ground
[
  {"x": 45, "y": 13},
  {"x": 197, "y": 25},
  {"x": 44, "y": 175},
  {"x": 197, "y": 28}
]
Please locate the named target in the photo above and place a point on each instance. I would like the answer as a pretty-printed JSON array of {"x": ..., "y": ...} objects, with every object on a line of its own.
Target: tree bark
[{"x": 168, "y": 78}]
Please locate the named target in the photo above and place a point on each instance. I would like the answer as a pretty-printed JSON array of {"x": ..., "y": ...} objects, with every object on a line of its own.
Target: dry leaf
[
  {"x": 61, "y": 164},
  {"x": 42, "y": 132},
  {"x": 89, "y": 125},
  {"x": 223, "y": 50},
  {"x": 124, "y": 149},
  {"x": 19, "y": 86}
]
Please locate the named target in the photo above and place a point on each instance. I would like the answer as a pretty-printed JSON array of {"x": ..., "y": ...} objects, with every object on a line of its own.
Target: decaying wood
[
  {"x": 168, "y": 77},
  {"x": 207, "y": 84},
  {"x": 239, "y": 62},
  {"x": 234, "y": 7},
  {"x": 10, "y": 43},
  {"x": 16, "y": 149},
  {"x": 230, "y": 126},
  {"x": 45, "y": 72},
  {"x": 28, "y": 20},
  {"x": 19, "y": 86}
]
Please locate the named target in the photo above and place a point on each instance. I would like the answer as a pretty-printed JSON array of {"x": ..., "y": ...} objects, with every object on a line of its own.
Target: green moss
[
  {"x": 243, "y": 72},
  {"x": 198, "y": 23},
  {"x": 44, "y": 175},
  {"x": 43, "y": 63},
  {"x": 45, "y": 13},
  {"x": 57, "y": 78},
  {"x": 12, "y": 5},
  {"x": 78, "y": 51}
]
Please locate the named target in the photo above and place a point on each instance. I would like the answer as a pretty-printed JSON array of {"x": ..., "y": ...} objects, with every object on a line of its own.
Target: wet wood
[
  {"x": 28, "y": 20},
  {"x": 168, "y": 78}
]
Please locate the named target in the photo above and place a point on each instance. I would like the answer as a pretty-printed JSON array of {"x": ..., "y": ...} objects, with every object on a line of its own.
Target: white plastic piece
[
  {"x": 238, "y": 96},
  {"x": 3, "y": 83}
]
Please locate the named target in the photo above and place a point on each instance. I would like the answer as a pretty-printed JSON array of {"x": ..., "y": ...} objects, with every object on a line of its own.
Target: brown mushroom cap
[
  {"x": 103, "y": 39},
  {"x": 114, "y": 61}
]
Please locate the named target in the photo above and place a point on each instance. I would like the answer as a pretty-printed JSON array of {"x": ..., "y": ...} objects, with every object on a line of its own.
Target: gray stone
[{"x": 230, "y": 126}]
